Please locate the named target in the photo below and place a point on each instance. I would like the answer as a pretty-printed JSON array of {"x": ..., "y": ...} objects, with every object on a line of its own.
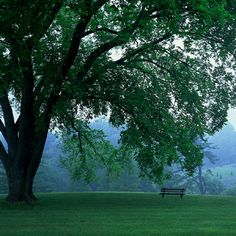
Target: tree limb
[
  {"x": 143, "y": 48},
  {"x": 113, "y": 101},
  {"x": 87, "y": 139},
  {"x": 39, "y": 87},
  {"x": 9, "y": 121},
  {"x": 100, "y": 29},
  {"x": 17, "y": 123},
  {"x": 95, "y": 54},
  {"x": 45, "y": 24},
  {"x": 155, "y": 64},
  {"x": 117, "y": 41},
  {"x": 78, "y": 34},
  {"x": 71, "y": 55},
  {"x": 4, "y": 156},
  {"x": 176, "y": 58},
  {"x": 3, "y": 130}
]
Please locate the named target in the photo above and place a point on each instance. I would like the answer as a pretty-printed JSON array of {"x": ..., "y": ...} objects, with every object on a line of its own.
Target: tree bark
[
  {"x": 20, "y": 189},
  {"x": 17, "y": 185},
  {"x": 21, "y": 173},
  {"x": 20, "y": 181},
  {"x": 26, "y": 137},
  {"x": 201, "y": 181}
]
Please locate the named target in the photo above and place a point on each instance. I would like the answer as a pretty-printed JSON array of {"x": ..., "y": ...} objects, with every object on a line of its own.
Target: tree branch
[
  {"x": 39, "y": 87},
  {"x": 71, "y": 55},
  {"x": 4, "y": 156},
  {"x": 176, "y": 58},
  {"x": 9, "y": 121},
  {"x": 117, "y": 41},
  {"x": 98, "y": 4},
  {"x": 27, "y": 117},
  {"x": 87, "y": 139},
  {"x": 100, "y": 29},
  {"x": 45, "y": 24},
  {"x": 186, "y": 64},
  {"x": 95, "y": 54},
  {"x": 155, "y": 64},
  {"x": 143, "y": 48},
  {"x": 17, "y": 124},
  {"x": 78, "y": 34},
  {"x": 113, "y": 101},
  {"x": 3, "y": 130}
]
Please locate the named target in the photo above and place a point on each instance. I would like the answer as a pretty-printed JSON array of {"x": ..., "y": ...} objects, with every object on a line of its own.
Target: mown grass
[{"x": 136, "y": 214}]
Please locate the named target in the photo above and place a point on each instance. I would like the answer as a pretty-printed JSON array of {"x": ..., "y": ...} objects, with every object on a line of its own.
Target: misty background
[{"x": 218, "y": 173}]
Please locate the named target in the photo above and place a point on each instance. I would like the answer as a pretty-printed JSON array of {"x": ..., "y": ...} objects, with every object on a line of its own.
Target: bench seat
[{"x": 172, "y": 191}]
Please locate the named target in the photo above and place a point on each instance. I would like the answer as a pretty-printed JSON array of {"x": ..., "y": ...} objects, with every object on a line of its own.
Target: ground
[{"x": 119, "y": 214}]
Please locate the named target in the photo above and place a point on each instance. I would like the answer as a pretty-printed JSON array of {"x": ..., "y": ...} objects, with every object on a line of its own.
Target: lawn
[{"x": 136, "y": 214}]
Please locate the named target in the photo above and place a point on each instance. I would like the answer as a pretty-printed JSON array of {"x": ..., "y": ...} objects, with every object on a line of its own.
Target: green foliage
[
  {"x": 212, "y": 185},
  {"x": 86, "y": 149},
  {"x": 171, "y": 82},
  {"x": 202, "y": 181}
]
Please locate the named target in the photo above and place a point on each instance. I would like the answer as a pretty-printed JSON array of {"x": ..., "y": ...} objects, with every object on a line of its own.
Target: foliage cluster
[{"x": 172, "y": 81}]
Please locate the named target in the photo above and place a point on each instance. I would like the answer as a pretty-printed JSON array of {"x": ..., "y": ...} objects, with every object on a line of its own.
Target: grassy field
[{"x": 136, "y": 214}]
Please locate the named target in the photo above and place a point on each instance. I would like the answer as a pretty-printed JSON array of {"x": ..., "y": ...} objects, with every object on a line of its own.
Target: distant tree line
[{"x": 54, "y": 177}]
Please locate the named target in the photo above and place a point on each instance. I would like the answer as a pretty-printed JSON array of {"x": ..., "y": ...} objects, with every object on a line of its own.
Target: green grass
[{"x": 136, "y": 214}]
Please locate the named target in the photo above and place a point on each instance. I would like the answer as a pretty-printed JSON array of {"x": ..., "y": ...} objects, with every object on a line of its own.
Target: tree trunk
[
  {"x": 20, "y": 184},
  {"x": 17, "y": 184},
  {"x": 21, "y": 173},
  {"x": 201, "y": 181}
]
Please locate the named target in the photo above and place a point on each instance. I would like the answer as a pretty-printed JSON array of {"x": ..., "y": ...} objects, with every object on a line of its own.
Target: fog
[{"x": 218, "y": 177}]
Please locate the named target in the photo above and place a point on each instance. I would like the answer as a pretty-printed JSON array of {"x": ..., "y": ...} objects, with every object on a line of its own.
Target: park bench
[{"x": 172, "y": 191}]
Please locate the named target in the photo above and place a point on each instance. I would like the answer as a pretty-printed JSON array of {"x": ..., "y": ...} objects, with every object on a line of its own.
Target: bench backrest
[{"x": 173, "y": 190}]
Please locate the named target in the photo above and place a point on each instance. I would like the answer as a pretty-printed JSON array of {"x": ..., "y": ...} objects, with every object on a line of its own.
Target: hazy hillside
[
  {"x": 224, "y": 142},
  {"x": 112, "y": 133},
  {"x": 52, "y": 177}
]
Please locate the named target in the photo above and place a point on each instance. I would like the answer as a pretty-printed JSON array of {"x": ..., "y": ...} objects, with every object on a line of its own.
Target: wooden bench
[{"x": 172, "y": 191}]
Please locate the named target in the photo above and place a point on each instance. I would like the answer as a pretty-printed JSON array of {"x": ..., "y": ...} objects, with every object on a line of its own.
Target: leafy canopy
[{"x": 159, "y": 67}]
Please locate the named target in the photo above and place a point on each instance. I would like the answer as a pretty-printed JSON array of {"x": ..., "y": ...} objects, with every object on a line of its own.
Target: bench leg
[{"x": 162, "y": 195}]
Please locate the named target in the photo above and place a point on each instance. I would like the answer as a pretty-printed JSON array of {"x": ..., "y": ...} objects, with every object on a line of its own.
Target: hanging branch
[
  {"x": 4, "y": 156},
  {"x": 87, "y": 139},
  {"x": 3, "y": 130}
]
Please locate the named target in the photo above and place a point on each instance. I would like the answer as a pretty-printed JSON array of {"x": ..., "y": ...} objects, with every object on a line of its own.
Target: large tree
[{"x": 156, "y": 66}]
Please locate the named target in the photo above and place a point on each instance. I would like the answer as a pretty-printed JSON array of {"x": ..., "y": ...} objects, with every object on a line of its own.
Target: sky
[{"x": 232, "y": 117}]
